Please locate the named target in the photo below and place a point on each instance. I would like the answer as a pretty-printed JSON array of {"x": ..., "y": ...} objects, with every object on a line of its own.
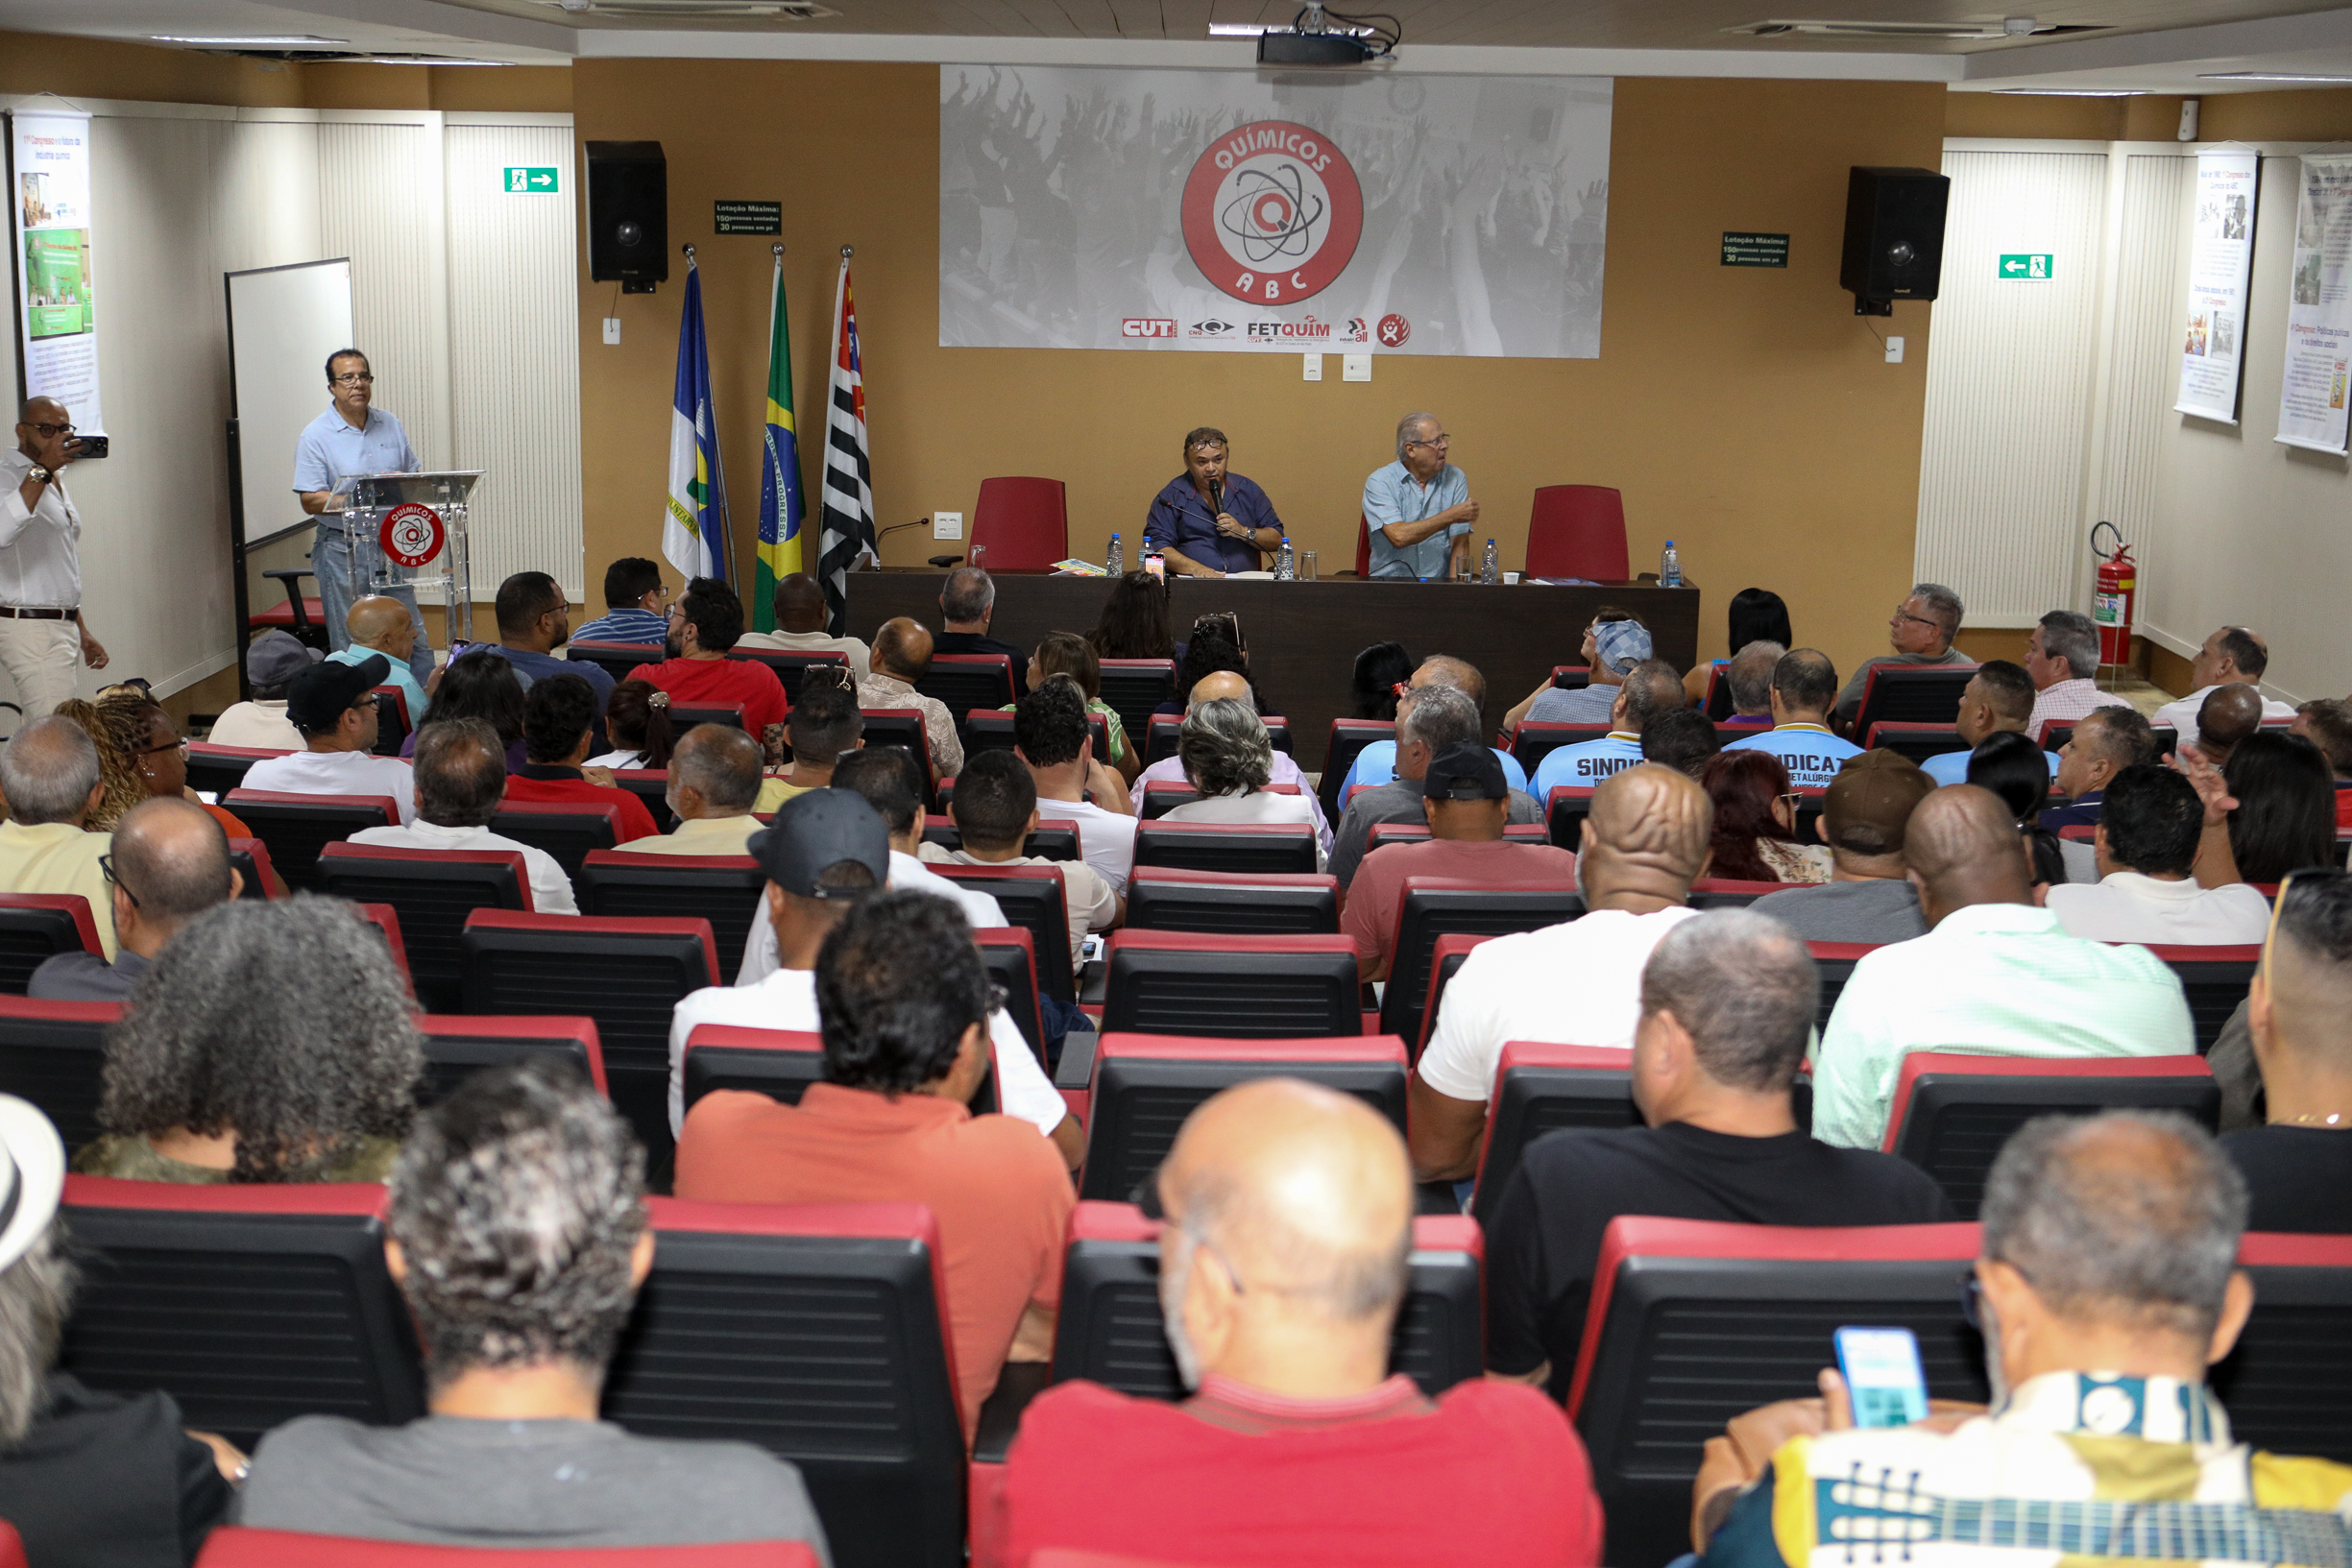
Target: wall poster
[
  {"x": 56, "y": 305},
  {"x": 2310, "y": 393},
  {"x": 2220, "y": 254},
  {"x": 1236, "y": 211}
]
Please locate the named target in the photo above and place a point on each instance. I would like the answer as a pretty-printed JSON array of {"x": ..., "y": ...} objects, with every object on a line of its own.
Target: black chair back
[
  {"x": 298, "y": 827},
  {"x": 723, "y": 889},
  {"x": 53, "y": 1053},
  {"x": 34, "y": 928},
  {"x": 1255, "y": 987},
  {"x": 457, "y": 1045},
  {"x": 1243, "y": 848},
  {"x": 434, "y": 892},
  {"x": 1426, "y": 913},
  {"x": 1169, "y": 899}
]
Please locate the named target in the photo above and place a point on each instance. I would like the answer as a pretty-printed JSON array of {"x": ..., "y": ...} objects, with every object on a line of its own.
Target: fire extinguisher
[{"x": 2111, "y": 606}]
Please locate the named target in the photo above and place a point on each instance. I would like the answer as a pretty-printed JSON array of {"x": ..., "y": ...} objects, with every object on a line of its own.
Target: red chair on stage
[
  {"x": 1578, "y": 531},
  {"x": 1024, "y": 524},
  {"x": 1364, "y": 545}
]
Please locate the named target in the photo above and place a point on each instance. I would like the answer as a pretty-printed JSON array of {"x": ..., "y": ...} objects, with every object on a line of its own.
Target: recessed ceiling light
[
  {"x": 281, "y": 42},
  {"x": 2270, "y": 76},
  {"x": 2070, "y": 92}
]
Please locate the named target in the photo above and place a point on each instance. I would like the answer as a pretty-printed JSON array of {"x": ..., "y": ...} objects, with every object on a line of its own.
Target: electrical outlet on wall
[
  {"x": 1314, "y": 366},
  {"x": 611, "y": 329},
  {"x": 1894, "y": 350},
  {"x": 947, "y": 525},
  {"x": 1355, "y": 366}
]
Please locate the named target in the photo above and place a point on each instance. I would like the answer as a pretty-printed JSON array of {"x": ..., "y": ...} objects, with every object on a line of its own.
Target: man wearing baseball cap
[
  {"x": 1613, "y": 644},
  {"x": 334, "y": 708},
  {"x": 1467, "y": 801},
  {"x": 1869, "y": 896},
  {"x": 272, "y": 661}
]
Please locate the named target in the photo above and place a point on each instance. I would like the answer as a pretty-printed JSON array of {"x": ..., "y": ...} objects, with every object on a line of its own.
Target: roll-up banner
[
  {"x": 2220, "y": 254},
  {"x": 2310, "y": 393},
  {"x": 56, "y": 312}
]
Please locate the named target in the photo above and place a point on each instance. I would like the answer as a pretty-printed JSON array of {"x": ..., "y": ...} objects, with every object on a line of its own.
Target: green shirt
[{"x": 133, "y": 1158}]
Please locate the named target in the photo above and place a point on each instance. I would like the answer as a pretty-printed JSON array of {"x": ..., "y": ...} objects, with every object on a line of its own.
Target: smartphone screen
[
  {"x": 1156, "y": 565},
  {"x": 1883, "y": 1373}
]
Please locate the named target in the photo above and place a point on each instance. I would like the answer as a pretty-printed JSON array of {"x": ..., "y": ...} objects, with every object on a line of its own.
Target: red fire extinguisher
[{"x": 2111, "y": 606}]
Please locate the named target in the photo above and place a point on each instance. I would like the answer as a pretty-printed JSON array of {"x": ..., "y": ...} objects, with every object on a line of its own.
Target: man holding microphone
[
  {"x": 1207, "y": 521},
  {"x": 41, "y": 630},
  {"x": 353, "y": 437}
]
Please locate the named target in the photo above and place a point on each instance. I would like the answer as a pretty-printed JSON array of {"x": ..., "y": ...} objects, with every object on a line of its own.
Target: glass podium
[{"x": 408, "y": 530}]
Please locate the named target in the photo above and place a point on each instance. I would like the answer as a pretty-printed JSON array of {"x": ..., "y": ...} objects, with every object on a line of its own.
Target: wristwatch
[{"x": 36, "y": 471}]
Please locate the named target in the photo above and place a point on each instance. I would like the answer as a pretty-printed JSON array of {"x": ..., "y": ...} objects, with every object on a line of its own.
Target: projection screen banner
[
  {"x": 57, "y": 316},
  {"x": 1227, "y": 211},
  {"x": 2312, "y": 384}
]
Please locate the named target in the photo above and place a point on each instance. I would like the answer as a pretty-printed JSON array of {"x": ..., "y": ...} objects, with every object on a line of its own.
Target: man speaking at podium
[
  {"x": 1207, "y": 522},
  {"x": 351, "y": 438}
]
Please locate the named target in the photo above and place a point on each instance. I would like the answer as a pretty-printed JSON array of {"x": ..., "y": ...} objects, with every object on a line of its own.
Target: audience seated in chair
[
  {"x": 704, "y": 624},
  {"x": 903, "y": 1002},
  {"x": 333, "y": 705},
  {"x": 1755, "y": 834},
  {"x": 2105, "y": 1287},
  {"x": 1614, "y": 643},
  {"x": 517, "y": 1231},
  {"x": 2106, "y": 740},
  {"x": 1049, "y": 734},
  {"x": 1430, "y": 721},
  {"x": 1288, "y": 1218},
  {"x": 1920, "y": 632},
  {"x": 1068, "y": 654},
  {"x": 2232, "y": 655},
  {"x": 86, "y": 1477},
  {"x": 636, "y": 726},
  {"x": 714, "y": 787},
  {"x": 461, "y": 781},
  {"x": 50, "y": 778},
  {"x": 474, "y": 684},
  {"x": 1281, "y": 768},
  {"x": 967, "y": 603},
  {"x": 534, "y": 619},
  {"x": 1134, "y": 622},
  {"x": 2062, "y": 660},
  {"x": 559, "y": 718},
  {"x": 272, "y": 661},
  {"x": 129, "y": 722},
  {"x": 2327, "y": 724},
  {"x": 169, "y": 864},
  {"x": 1869, "y": 896},
  {"x": 1376, "y": 763},
  {"x": 901, "y": 653},
  {"x": 636, "y": 604},
  {"x": 825, "y": 726},
  {"x": 2150, "y": 830},
  {"x": 1683, "y": 739},
  {"x": 1802, "y": 683},
  {"x": 1998, "y": 700},
  {"x": 272, "y": 1040},
  {"x": 1727, "y": 1008},
  {"x": 1749, "y": 674},
  {"x": 1649, "y": 691},
  {"x": 2018, "y": 771},
  {"x": 1574, "y": 984},
  {"x": 802, "y": 617},
  {"x": 2285, "y": 814},
  {"x": 1229, "y": 758},
  {"x": 380, "y": 625},
  {"x": 994, "y": 811},
  {"x": 1467, "y": 803},
  {"x": 1994, "y": 974},
  {"x": 2228, "y": 715},
  {"x": 1754, "y": 615},
  {"x": 2298, "y": 1168}
]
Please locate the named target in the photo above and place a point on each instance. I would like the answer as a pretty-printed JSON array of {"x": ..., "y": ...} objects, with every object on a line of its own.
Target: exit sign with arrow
[
  {"x": 2026, "y": 267},
  {"x": 530, "y": 182}
]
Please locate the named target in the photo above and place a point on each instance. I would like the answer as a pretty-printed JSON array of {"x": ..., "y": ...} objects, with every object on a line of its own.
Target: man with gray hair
[
  {"x": 2106, "y": 1284},
  {"x": 169, "y": 864},
  {"x": 49, "y": 774},
  {"x": 1649, "y": 690},
  {"x": 1748, "y": 674},
  {"x": 1418, "y": 511},
  {"x": 517, "y": 1234},
  {"x": 1282, "y": 1264},
  {"x": 1727, "y": 1009},
  {"x": 1376, "y": 763},
  {"x": 2062, "y": 657},
  {"x": 461, "y": 783},
  {"x": 714, "y": 778},
  {"x": 1919, "y": 631},
  {"x": 1429, "y": 719},
  {"x": 966, "y": 606}
]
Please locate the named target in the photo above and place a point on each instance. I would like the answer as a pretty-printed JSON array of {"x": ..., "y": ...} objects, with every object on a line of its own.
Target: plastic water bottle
[
  {"x": 1489, "y": 566},
  {"x": 1670, "y": 567},
  {"x": 1114, "y": 558},
  {"x": 1286, "y": 565}
]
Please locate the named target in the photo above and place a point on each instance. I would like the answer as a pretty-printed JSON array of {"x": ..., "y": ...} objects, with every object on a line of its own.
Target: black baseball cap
[
  {"x": 318, "y": 696},
  {"x": 812, "y": 833},
  {"x": 1464, "y": 772}
]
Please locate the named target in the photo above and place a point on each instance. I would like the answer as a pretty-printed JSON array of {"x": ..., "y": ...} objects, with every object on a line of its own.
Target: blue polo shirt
[
  {"x": 1951, "y": 768},
  {"x": 1583, "y": 766},
  {"x": 1376, "y": 764},
  {"x": 1810, "y": 752},
  {"x": 330, "y": 449},
  {"x": 1178, "y": 515},
  {"x": 1391, "y": 495},
  {"x": 627, "y": 624}
]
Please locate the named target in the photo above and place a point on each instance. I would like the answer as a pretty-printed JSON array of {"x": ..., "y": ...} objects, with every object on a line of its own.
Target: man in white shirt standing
[
  {"x": 2233, "y": 654},
  {"x": 1578, "y": 982},
  {"x": 2062, "y": 657},
  {"x": 2150, "y": 826},
  {"x": 42, "y": 634},
  {"x": 334, "y": 706},
  {"x": 353, "y": 437},
  {"x": 461, "y": 777},
  {"x": 1048, "y": 727}
]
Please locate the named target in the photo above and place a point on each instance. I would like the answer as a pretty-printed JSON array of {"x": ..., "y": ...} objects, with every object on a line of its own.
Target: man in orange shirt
[
  {"x": 904, "y": 1004},
  {"x": 559, "y": 718},
  {"x": 704, "y": 624}
]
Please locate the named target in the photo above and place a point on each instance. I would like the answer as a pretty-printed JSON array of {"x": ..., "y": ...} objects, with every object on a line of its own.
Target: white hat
[{"x": 32, "y": 1177}]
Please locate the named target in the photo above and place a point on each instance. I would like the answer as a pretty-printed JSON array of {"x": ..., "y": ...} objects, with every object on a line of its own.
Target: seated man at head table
[
  {"x": 1209, "y": 521},
  {"x": 1418, "y": 511},
  {"x": 1169, "y": 769}
]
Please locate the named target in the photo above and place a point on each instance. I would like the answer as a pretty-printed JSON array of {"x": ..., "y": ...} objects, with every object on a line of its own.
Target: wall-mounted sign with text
[
  {"x": 746, "y": 217},
  {"x": 1755, "y": 250}
]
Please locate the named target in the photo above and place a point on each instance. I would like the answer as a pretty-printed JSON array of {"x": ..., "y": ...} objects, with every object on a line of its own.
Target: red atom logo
[
  {"x": 411, "y": 534},
  {"x": 1271, "y": 212}
]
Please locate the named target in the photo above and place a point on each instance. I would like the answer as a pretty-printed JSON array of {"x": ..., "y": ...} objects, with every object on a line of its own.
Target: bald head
[
  {"x": 1445, "y": 670},
  {"x": 2228, "y": 715},
  {"x": 721, "y": 765},
  {"x": 173, "y": 858},
  {"x": 903, "y": 648},
  {"x": 40, "y": 411},
  {"x": 1645, "y": 838},
  {"x": 373, "y": 621},
  {"x": 800, "y": 604},
  {"x": 1223, "y": 683},
  {"x": 1964, "y": 847}
]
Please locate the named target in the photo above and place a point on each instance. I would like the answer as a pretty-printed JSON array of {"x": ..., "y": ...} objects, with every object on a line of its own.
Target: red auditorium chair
[
  {"x": 216, "y": 770},
  {"x": 53, "y": 1053},
  {"x": 1364, "y": 545},
  {"x": 1693, "y": 1323},
  {"x": 818, "y": 1331},
  {"x": 250, "y": 1304},
  {"x": 1578, "y": 531},
  {"x": 1173, "y": 899},
  {"x": 1912, "y": 694},
  {"x": 1165, "y": 730},
  {"x": 1230, "y": 987},
  {"x": 724, "y": 889},
  {"x": 297, "y": 827},
  {"x": 1727, "y": 893},
  {"x": 1023, "y": 524},
  {"x": 1917, "y": 742},
  {"x": 790, "y": 668},
  {"x": 1535, "y": 739},
  {"x": 392, "y": 721},
  {"x": 1109, "y": 1327},
  {"x": 1433, "y": 907},
  {"x": 1541, "y": 1088},
  {"x": 991, "y": 729},
  {"x": 459, "y": 1045},
  {"x": 13, "y": 1548},
  {"x": 1346, "y": 742},
  {"x": 433, "y": 892},
  {"x": 966, "y": 681},
  {"x": 778, "y": 1063},
  {"x": 1952, "y": 1112},
  {"x": 1145, "y": 1085},
  {"x": 303, "y": 618},
  {"x": 617, "y": 659},
  {"x": 2214, "y": 980},
  {"x": 1031, "y": 898},
  {"x": 234, "y": 1546},
  {"x": 1049, "y": 840},
  {"x": 387, "y": 922},
  {"x": 1444, "y": 963},
  {"x": 250, "y": 858},
  {"x": 1133, "y": 687},
  {"x": 1242, "y": 847},
  {"x": 36, "y": 926}
]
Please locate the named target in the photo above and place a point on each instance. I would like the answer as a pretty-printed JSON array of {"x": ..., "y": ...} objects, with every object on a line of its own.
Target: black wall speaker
[
  {"x": 628, "y": 214},
  {"x": 1894, "y": 237}
]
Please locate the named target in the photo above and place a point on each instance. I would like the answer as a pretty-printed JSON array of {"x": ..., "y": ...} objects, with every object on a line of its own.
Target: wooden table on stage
[{"x": 1303, "y": 638}]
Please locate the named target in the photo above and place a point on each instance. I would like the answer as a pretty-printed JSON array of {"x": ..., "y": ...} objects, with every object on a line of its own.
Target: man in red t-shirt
[
  {"x": 559, "y": 718},
  {"x": 703, "y": 625},
  {"x": 1282, "y": 1264},
  {"x": 1468, "y": 801}
]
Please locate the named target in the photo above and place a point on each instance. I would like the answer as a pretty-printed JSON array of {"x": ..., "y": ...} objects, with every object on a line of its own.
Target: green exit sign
[
  {"x": 2026, "y": 267},
  {"x": 530, "y": 182}
]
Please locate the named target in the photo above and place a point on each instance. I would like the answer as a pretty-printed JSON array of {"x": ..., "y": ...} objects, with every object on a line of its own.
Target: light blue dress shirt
[
  {"x": 331, "y": 450},
  {"x": 1391, "y": 495},
  {"x": 1376, "y": 764},
  {"x": 401, "y": 676},
  {"x": 1951, "y": 768},
  {"x": 1583, "y": 766}
]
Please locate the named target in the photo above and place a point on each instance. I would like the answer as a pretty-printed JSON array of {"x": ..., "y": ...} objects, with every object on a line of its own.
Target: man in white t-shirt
[
  {"x": 271, "y": 662},
  {"x": 995, "y": 809},
  {"x": 1578, "y": 982},
  {"x": 2232, "y": 654},
  {"x": 2150, "y": 823},
  {"x": 333, "y": 705},
  {"x": 801, "y": 619},
  {"x": 825, "y": 850},
  {"x": 1048, "y": 727},
  {"x": 461, "y": 777}
]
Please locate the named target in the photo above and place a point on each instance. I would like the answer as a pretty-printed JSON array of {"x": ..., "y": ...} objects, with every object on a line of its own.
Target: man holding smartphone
[
  {"x": 353, "y": 437},
  {"x": 41, "y": 631}
]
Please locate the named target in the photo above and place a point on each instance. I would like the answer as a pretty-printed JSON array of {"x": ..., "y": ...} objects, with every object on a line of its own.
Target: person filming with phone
[
  {"x": 42, "y": 634},
  {"x": 1207, "y": 522},
  {"x": 353, "y": 437}
]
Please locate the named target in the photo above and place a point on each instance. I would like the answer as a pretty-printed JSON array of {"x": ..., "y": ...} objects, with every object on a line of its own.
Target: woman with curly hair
[
  {"x": 127, "y": 721},
  {"x": 270, "y": 1041},
  {"x": 116, "y": 769},
  {"x": 1755, "y": 838}
]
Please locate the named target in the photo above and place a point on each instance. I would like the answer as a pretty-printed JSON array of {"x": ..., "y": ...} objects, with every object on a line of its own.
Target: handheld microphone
[{"x": 1217, "y": 496}]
